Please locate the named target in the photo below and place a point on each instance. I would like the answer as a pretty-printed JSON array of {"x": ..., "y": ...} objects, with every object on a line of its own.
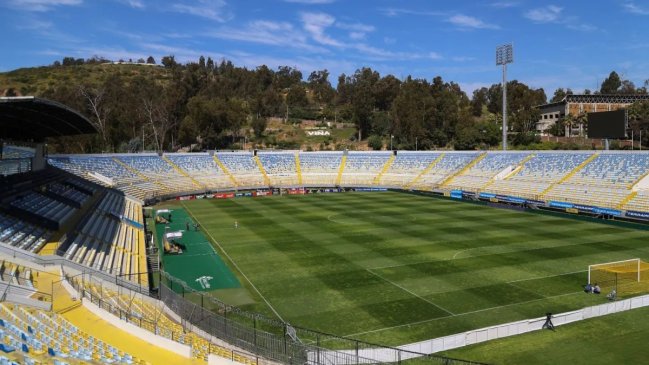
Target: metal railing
[
  {"x": 53, "y": 260},
  {"x": 127, "y": 312}
]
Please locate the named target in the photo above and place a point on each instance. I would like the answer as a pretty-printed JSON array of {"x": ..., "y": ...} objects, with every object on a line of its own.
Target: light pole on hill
[{"x": 504, "y": 55}]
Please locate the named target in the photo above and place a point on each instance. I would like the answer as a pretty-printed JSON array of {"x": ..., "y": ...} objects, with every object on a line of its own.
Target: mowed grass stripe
[
  {"x": 345, "y": 269},
  {"x": 314, "y": 267}
]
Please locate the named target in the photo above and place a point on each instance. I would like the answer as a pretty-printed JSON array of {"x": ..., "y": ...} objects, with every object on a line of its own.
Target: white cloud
[
  {"x": 315, "y": 24},
  {"x": 310, "y": 2},
  {"x": 267, "y": 32},
  {"x": 547, "y": 14},
  {"x": 357, "y": 27},
  {"x": 357, "y": 35},
  {"x": 631, "y": 7},
  {"x": 40, "y": 5},
  {"x": 505, "y": 4},
  {"x": 210, "y": 9},
  {"x": 465, "y": 21},
  {"x": 393, "y": 12},
  {"x": 554, "y": 14},
  {"x": 358, "y": 31},
  {"x": 137, "y": 4},
  {"x": 434, "y": 56},
  {"x": 463, "y": 58}
]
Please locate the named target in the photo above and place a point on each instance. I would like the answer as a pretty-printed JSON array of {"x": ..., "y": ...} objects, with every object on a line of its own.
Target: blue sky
[{"x": 556, "y": 44}]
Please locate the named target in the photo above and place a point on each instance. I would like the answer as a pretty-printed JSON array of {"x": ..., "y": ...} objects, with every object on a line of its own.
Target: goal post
[{"x": 624, "y": 276}]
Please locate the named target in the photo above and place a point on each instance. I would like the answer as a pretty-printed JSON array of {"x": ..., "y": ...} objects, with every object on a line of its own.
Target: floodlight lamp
[{"x": 504, "y": 54}]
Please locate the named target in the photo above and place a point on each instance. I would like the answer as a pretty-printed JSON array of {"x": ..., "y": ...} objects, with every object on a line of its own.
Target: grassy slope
[
  {"x": 396, "y": 268},
  {"x": 615, "y": 339},
  {"x": 34, "y": 81}
]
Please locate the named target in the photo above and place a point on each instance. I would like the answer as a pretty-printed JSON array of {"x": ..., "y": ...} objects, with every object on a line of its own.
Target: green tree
[
  {"x": 479, "y": 99},
  {"x": 611, "y": 84},
  {"x": 320, "y": 86},
  {"x": 375, "y": 142},
  {"x": 560, "y": 94},
  {"x": 259, "y": 126},
  {"x": 296, "y": 96}
]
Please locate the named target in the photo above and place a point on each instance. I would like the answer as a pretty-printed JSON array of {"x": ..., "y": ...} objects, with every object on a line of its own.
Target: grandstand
[{"x": 608, "y": 179}]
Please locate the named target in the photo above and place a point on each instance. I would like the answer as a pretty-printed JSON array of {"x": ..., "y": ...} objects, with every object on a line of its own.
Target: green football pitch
[
  {"x": 394, "y": 268},
  {"x": 619, "y": 338}
]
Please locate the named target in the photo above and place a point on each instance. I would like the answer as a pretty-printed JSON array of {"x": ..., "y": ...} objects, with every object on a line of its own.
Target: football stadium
[
  {"x": 324, "y": 182},
  {"x": 335, "y": 257}
]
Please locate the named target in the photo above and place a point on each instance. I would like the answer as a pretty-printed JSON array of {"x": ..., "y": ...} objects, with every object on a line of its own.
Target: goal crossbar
[{"x": 623, "y": 266}]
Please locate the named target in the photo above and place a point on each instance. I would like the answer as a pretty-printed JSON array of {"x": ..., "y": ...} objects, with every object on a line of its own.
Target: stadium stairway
[
  {"x": 262, "y": 170},
  {"x": 341, "y": 169},
  {"x": 425, "y": 171},
  {"x": 226, "y": 170},
  {"x": 570, "y": 174},
  {"x": 141, "y": 175},
  {"x": 183, "y": 172},
  {"x": 627, "y": 199},
  {"x": 518, "y": 168},
  {"x": 464, "y": 169},
  {"x": 298, "y": 168},
  {"x": 386, "y": 167}
]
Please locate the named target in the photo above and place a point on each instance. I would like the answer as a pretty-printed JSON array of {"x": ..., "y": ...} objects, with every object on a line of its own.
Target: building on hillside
[{"x": 576, "y": 104}]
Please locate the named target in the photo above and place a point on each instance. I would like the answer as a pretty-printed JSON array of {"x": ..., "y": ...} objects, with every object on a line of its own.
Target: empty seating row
[
  {"x": 43, "y": 206},
  {"x": 553, "y": 175},
  {"x": 49, "y": 336},
  {"x": 320, "y": 168},
  {"x": 68, "y": 192},
  {"x": 16, "y": 274},
  {"x": 487, "y": 169},
  {"x": 105, "y": 241},
  {"x": 23, "y": 235}
]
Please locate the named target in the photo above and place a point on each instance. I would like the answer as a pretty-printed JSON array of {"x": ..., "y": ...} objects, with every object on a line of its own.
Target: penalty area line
[
  {"x": 235, "y": 265},
  {"x": 410, "y": 292},
  {"x": 455, "y": 315}
]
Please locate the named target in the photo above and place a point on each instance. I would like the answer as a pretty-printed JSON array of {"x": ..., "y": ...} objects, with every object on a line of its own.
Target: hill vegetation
[{"x": 216, "y": 105}]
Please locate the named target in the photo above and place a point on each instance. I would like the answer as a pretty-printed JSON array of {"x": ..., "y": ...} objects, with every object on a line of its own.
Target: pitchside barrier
[
  {"x": 524, "y": 326},
  {"x": 275, "y": 340}
]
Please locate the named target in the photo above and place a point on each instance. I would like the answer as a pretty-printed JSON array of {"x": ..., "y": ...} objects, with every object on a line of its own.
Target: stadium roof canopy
[
  {"x": 598, "y": 99},
  {"x": 28, "y": 118}
]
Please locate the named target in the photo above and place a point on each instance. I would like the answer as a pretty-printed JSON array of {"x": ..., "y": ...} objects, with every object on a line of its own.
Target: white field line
[
  {"x": 485, "y": 254},
  {"x": 409, "y": 292},
  {"x": 547, "y": 276},
  {"x": 457, "y": 315},
  {"x": 235, "y": 264}
]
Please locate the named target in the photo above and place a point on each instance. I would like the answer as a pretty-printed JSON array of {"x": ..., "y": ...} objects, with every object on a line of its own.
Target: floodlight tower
[{"x": 504, "y": 55}]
